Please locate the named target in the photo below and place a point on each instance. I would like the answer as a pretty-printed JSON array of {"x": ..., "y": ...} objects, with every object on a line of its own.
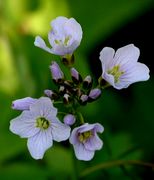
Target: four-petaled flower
[
  {"x": 121, "y": 69},
  {"x": 41, "y": 126},
  {"x": 64, "y": 37},
  {"x": 85, "y": 140}
]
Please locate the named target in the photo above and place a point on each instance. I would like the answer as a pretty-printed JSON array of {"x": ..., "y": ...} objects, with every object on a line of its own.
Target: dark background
[{"x": 127, "y": 115}]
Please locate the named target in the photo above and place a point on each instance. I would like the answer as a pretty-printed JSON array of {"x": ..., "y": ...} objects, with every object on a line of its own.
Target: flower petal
[
  {"x": 86, "y": 127},
  {"x": 73, "y": 29},
  {"x": 43, "y": 107},
  {"x": 23, "y": 104},
  {"x": 106, "y": 57},
  {"x": 39, "y": 42},
  {"x": 82, "y": 153},
  {"x": 126, "y": 54},
  {"x": 24, "y": 125},
  {"x": 98, "y": 128},
  {"x": 140, "y": 72},
  {"x": 58, "y": 23},
  {"x": 74, "y": 136},
  {"x": 61, "y": 50},
  {"x": 39, "y": 143},
  {"x": 60, "y": 131},
  {"x": 109, "y": 78},
  {"x": 135, "y": 73},
  {"x": 94, "y": 143}
]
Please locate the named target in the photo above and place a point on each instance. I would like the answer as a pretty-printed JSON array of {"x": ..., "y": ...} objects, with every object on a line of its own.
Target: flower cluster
[{"x": 41, "y": 120}]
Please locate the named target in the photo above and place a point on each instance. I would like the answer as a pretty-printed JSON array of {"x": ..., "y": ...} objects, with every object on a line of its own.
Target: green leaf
[
  {"x": 101, "y": 18},
  {"x": 59, "y": 160},
  {"x": 23, "y": 171},
  {"x": 11, "y": 145}
]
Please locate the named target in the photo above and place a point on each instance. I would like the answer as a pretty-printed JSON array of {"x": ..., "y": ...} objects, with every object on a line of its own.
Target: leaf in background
[
  {"x": 121, "y": 146},
  {"x": 11, "y": 145},
  {"x": 143, "y": 124},
  {"x": 23, "y": 171},
  {"x": 9, "y": 81},
  {"x": 59, "y": 161},
  {"x": 101, "y": 18},
  {"x": 38, "y": 21}
]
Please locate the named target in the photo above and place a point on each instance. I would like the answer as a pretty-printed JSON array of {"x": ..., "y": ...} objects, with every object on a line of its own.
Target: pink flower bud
[
  {"x": 69, "y": 119},
  {"x": 23, "y": 104},
  {"x": 94, "y": 93},
  {"x": 76, "y": 77},
  {"x": 56, "y": 72}
]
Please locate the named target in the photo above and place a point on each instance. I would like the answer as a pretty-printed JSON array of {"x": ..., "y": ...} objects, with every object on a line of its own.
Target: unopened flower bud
[
  {"x": 76, "y": 77},
  {"x": 51, "y": 94},
  {"x": 94, "y": 94},
  {"x": 61, "y": 89},
  {"x": 56, "y": 72},
  {"x": 23, "y": 104},
  {"x": 83, "y": 99},
  {"x": 87, "y": 82},
  {"x": 66, "y": 98},
  {"x": 78, "y": 92},
  {"x": 48, "y": 92},
  {"x": 69, "y": 119},
  {"x": 68, "y": 84}
]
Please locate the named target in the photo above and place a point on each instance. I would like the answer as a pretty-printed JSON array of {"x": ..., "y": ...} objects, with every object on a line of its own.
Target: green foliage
[{"x": 24, "y": 72}]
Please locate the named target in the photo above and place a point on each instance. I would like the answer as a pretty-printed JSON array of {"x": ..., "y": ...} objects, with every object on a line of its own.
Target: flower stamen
[
  {"x": 42, "y": 123},
  {"x": 84, "y": 136},
  {"x": 115, "y": 71},
  {"x": 57, "y": 42},
  {"x": 66, "y": 40}
]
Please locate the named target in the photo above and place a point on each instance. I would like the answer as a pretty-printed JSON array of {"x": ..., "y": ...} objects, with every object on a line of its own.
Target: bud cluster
[{"x": 77, "y": 91}]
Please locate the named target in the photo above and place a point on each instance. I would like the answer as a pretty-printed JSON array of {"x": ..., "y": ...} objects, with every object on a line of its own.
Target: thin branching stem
[
  {"x": 115, "y": 163},
  {"x": 58, "y": 102},
  {"x": 81, "y": 118},
  {"x": 64, "y": 113}
]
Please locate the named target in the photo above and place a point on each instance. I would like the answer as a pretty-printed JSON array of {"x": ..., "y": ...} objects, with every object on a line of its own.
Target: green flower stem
[
  {"x": 64, "y": 113},
  {"x": 80, "y": 117},
  {"x": 75, "y": 175},
  {"x": 106, "y": 86},
  {"x": 58, "y": 102},
  {"x": 103, "y": 86},
  {"x": 115, "y": 163}
]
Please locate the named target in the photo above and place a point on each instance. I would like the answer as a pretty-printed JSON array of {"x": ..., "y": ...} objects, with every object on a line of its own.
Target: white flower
[
  {"x": 64, "y": 37},
  {"x": 121, "y": 69},
  {"x": 41, "y": 126},
  {"x": 85, "y": 140}
]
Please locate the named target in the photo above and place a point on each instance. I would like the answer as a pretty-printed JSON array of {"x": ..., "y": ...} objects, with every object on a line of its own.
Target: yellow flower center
[
  {"x": 84, "y": 136},
  {"x": 115, "y": 71},
  {"x": 42, "y": 123},
  {"x": 57, "y": 42},
  {"x": 66, "y": 41}
]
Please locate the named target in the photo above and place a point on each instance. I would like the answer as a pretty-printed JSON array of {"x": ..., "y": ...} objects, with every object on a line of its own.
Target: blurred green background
[{"x": 126, "y": 115}]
